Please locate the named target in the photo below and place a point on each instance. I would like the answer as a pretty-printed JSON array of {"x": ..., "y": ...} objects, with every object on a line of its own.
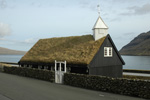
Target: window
[
  {"x": 39, "y": 67},
  {"x": 45, "y": 67},
  {"x": 108, "y": 52},
  {"x": 25, "y": 66},
  {"x": 30, "y": 66}
]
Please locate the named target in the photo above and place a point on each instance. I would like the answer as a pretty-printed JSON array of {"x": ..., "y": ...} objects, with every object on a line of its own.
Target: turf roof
[{"x": 74, "y": 49}]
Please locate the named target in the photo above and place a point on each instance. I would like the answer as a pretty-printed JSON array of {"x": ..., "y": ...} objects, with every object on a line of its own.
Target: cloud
[
  {"x": 125, "y": 36},
  {"x": 4, "y": 29},
  {"x": 88, "y": 4},
  {"x": 124, "y": 1},
  {"x": 136, "y": 10},
  {"x": 115, "y": 19},
  {"x": 20, "y": 44},
  {"x": 36, "y": 4},
  {"x": 16, "y": 44},
  {"x": 3, "y": 4},
  {"x": 7, "y": 4},
  {"x": 30, "y": 40},
  {"x": 84, "y": 4}
]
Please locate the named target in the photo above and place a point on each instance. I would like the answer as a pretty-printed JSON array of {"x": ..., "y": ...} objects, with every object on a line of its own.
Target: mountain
[
  {"x": 5, "y": 51},
  {"x": 139, "y": 46}
]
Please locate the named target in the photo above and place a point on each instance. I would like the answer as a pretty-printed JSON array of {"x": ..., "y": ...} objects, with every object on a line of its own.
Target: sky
[{"x": 24, "y": 22}]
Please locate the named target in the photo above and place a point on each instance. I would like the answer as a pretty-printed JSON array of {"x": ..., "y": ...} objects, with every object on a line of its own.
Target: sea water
[
  {"x": 10, "y": 58},
  {"x": 137, "y": 62},
  {"x": 131, "y": 62}
]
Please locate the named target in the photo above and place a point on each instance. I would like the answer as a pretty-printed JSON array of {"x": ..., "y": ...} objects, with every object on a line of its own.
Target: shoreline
[{"x": 126, "y": 72}]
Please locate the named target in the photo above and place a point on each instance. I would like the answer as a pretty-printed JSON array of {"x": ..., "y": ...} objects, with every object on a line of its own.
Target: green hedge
[
  {"x": 30, "y": 72},
  {"x": 137, "y": 88}
]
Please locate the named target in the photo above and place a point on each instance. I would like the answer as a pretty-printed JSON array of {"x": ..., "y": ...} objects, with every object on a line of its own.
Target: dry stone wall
[
  {"x": 138, "y": 88},
  {"x": 131, "y": 87},
  {"x": 30, "y": 72}
]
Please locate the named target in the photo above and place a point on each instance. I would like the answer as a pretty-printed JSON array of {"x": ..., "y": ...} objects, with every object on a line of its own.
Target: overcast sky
[{"x": 24, "y": 22}]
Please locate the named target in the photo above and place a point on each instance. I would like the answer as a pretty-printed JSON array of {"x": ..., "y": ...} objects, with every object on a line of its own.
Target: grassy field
[{"x": 136, "y": 77}]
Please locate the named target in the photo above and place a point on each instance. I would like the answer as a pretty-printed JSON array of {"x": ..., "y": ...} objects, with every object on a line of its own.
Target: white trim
[
  {"x": 108, "y": 52},
  {"x": 60, "y": 62},
  {"x": 59, "y": 71}
]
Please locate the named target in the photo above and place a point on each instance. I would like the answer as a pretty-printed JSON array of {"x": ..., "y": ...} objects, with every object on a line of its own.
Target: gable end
[{"x": 100, "y": 60}]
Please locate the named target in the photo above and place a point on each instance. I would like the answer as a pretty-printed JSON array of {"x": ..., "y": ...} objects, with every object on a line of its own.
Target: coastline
[{"x": 134, "y": 55}]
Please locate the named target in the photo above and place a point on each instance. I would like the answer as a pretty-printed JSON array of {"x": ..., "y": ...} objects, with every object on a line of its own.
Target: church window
[{"x": 108, "y": 52}]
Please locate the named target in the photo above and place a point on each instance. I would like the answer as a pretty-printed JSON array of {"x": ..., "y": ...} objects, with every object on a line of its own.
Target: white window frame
[{"x": 108, "y": 52}]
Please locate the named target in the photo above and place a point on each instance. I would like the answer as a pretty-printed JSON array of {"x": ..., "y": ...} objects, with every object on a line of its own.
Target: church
[{"x": 94, "y": 54}]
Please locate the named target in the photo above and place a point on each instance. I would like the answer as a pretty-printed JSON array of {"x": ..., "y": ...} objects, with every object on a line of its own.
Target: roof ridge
[{"x": 65, "y": 37}]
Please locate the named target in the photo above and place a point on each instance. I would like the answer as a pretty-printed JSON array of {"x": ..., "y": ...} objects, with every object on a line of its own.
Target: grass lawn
[{"x": 136, "y": 77}]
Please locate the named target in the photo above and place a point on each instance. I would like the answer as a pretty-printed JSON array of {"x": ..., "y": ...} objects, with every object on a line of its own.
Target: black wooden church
[{"x": 88, "y": 54}]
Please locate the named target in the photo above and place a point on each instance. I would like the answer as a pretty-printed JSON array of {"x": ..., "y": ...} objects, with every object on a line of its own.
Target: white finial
[{"x": 98, "y": 8}]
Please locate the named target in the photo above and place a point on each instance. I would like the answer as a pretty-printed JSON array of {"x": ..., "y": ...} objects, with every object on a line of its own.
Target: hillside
[
  {"x": 139, "y": 46},
  {"x": 5, "y": 51}
]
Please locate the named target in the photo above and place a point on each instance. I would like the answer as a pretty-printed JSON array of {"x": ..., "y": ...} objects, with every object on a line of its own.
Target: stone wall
[
  {"x": 138, "y": 88},
  {"x": 30, "y": 72},
  {"x": 2, "y": 66},
  {"x": 131, "y": 87}
]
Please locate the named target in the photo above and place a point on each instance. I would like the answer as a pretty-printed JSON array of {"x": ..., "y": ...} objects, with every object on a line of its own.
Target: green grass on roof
[{"x": 75, "y": 50}]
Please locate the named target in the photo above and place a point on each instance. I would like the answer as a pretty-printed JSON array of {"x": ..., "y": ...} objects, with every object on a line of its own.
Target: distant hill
[
  {"x": 5, "y": 51},
  {"x": 139, "y": 46}
]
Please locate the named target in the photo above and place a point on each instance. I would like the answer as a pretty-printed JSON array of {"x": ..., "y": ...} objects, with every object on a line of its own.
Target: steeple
[{"x": 100, "y": 29}]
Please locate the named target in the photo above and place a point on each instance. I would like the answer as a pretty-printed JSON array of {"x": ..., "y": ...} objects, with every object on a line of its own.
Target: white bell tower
[{"x": 100, "y": 29}]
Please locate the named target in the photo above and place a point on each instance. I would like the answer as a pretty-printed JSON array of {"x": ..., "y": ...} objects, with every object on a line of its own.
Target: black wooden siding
[
  {"x": 110, "y": 71},
  {"x": 106, "y": 66}
]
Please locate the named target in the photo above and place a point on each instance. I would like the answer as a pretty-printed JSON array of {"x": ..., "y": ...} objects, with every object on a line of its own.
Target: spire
[
  {"x": 100, "y": 29},
  {"x": 99, "y": 24}
]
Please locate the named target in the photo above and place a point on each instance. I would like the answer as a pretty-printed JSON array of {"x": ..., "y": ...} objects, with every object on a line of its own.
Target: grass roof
[{"x": 75, "y": 50}]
